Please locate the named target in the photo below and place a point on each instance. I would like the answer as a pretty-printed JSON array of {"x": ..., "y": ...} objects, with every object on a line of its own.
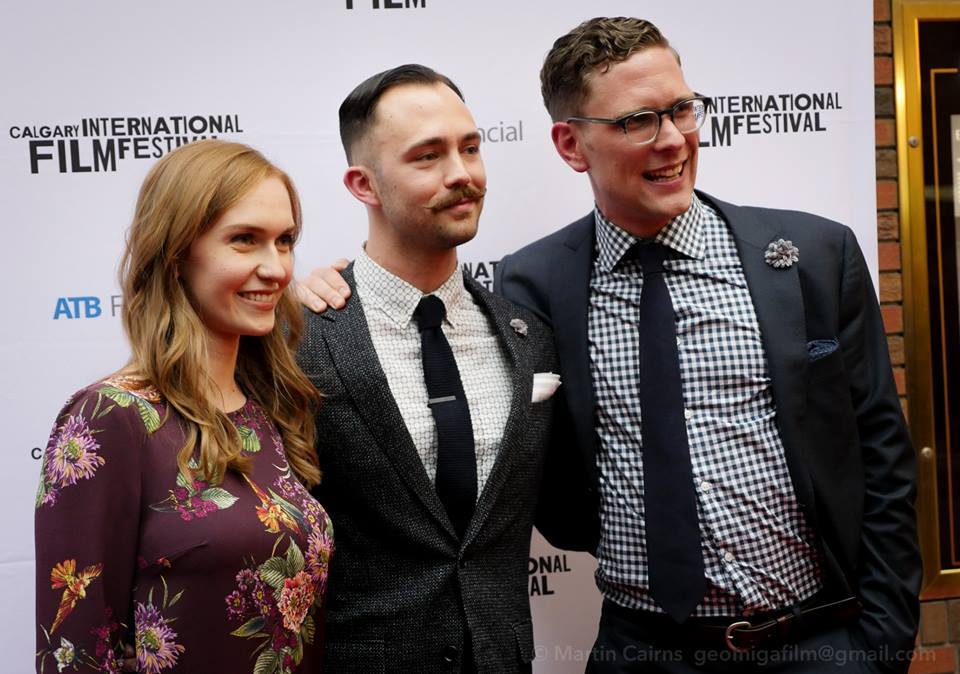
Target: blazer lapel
[
  {"x": 356, "y": 361},
  {"x": 569, "y": 301},
  {"x": 521, "y": 372},
  {"x": 778, "y": 302}
]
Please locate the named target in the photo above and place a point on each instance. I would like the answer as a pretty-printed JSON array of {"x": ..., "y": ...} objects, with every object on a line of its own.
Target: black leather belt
[{"x": 742, "y": 634}]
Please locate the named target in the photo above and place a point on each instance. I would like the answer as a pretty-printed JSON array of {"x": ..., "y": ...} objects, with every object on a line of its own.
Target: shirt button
[
  {"x": 679, "y": 340},
  {"x": 704, "y": 485},
  {"x": 688, "y": 414},
  {"x": 728, "y": 557},
  {"x": 450, "y": 653}
]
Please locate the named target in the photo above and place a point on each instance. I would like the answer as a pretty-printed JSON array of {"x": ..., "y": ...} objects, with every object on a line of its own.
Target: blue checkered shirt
[{"x": 759, "y": 551}]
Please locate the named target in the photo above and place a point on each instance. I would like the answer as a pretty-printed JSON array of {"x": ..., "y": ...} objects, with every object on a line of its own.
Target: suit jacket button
[
  {"x": 462, "y": 563},
  {"x": 450, "y": 653}
]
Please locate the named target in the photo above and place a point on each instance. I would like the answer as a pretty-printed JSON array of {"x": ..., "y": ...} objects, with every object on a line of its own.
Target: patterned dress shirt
[
  {"x": 389, "y": 303},
  {"x": 759, "y": 551}
]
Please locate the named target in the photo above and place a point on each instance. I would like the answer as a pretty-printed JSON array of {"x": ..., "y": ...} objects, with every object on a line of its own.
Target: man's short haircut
[
  {"x": 593, "y": 46},
  {"x": 359, "y": 107}
]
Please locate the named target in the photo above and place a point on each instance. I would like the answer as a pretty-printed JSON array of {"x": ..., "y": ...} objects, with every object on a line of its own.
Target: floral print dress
[{"x": 199, "y": 577}]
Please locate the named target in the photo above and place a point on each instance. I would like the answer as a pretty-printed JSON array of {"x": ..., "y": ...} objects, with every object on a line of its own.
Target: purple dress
[{"x": 201, "y": 578}]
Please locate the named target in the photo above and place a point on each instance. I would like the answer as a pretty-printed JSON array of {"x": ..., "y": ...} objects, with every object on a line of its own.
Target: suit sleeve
[
  {"x": 567, "y": 514},
  {"x": 890, "y": 569},
  {"x": 86, "y": 532},
  {"x": 510, "y": 281}
]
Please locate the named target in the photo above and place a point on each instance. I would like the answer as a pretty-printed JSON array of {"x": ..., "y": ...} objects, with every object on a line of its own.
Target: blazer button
[{"x": 450, "y": 653}]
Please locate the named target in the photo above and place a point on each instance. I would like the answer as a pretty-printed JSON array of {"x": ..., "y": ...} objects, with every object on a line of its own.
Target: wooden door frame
[{"x": 938, "y": 582}]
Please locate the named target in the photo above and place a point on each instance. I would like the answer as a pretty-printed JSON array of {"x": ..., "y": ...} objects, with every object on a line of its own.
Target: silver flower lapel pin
[
  {"x": 519, "y": 326},
  {"x": 781, "y": 254}
]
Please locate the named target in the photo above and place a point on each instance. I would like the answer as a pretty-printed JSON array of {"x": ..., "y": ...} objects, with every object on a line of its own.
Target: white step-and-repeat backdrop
[{"x": 95, "y": 92}]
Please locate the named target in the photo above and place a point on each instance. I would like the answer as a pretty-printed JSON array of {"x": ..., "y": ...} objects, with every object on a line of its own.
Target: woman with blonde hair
[{"x": 173, "y": 510}]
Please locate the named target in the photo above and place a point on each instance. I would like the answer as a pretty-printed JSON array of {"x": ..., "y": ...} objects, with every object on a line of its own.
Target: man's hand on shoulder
[{"x": 324, "y": 287}]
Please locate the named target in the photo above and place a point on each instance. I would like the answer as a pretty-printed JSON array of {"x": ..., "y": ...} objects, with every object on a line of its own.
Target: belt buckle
[{"x": 728, "y": 636}]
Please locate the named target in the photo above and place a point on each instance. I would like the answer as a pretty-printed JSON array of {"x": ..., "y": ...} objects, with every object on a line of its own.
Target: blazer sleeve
[
  {"x": 86, "y": 531},
  {"x": 890, "y": 568},
  {"x": 523, "y": 282},
  {"x": 567, "y": 513}
]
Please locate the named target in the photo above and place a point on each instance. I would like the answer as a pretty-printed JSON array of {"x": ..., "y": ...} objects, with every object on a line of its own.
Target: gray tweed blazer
[{"x": 405, "y": 593}]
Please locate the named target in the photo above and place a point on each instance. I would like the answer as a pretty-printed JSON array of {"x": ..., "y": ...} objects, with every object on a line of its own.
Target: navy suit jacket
[{"x": 846, "y": 443}]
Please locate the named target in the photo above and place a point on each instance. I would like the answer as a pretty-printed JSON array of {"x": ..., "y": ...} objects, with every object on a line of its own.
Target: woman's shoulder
[
  {"x": 107, "y": 399},
  {"x": 128, "y": 385},
  {"x": 99, "y": 428},
  {"x": 119, "y": 383}
]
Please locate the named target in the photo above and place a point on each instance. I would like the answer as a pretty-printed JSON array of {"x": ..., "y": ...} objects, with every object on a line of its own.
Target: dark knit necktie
[
  {"x": 456, "y": 481},
  {"x": 674, "y": 556}
]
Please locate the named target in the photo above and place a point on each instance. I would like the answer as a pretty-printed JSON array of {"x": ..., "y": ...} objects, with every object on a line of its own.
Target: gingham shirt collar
[
  {"x": 398, "y": 299},
  {"x": 683, "y": 234}
]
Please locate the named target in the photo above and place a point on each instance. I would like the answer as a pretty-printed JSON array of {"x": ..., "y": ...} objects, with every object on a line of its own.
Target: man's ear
[
  {"x": 569, "y": 144},
  {"x": 359, "y": 180}
]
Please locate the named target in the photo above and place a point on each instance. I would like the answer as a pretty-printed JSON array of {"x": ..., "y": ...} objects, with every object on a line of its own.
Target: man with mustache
[{"x": 436, "y": 404}]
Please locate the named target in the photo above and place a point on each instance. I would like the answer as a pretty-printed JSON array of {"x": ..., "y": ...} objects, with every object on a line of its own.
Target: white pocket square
[{"x": 544, "y": 385}]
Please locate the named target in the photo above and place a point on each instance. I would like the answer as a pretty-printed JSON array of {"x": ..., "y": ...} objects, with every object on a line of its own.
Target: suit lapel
[
  {"x": 778, "y": 302},
  {"x": 353, "y": 354},
  {"x": 569, "y": 302},
  {"x": 521, "y": 373}
]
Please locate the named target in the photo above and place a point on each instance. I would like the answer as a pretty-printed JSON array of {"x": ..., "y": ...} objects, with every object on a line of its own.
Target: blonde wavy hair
[{"x": 182, "y": 196}]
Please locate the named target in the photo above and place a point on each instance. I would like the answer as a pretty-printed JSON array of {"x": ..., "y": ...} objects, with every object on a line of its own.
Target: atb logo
[{"x": 84, "y": 306}]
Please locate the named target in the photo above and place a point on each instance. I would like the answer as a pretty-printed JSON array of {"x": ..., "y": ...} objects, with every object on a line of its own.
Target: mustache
[{"x": 447, "y": 200}]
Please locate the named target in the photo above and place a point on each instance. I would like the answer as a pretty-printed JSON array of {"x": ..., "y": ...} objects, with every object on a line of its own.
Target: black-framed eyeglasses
[{"x": 642, "y": 126}]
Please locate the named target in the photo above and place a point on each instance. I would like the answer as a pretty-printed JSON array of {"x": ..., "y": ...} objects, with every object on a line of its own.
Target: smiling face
[
  {"x": 237, "y": 269},
  {"x": 422, "y": 161},
  {"x": 639, "y": 187}
]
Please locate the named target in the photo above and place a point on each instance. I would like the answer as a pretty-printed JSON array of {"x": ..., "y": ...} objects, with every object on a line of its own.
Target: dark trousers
[{"x": 626, "y": 646}]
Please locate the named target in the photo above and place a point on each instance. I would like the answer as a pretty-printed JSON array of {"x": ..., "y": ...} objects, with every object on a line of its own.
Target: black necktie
[
  {"x": 456, "y": 461},
  {"x": 675, "y": 560}
]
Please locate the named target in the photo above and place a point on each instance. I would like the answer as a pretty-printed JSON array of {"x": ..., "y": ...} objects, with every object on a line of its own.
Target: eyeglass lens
[{"x": 687, "y": 116}]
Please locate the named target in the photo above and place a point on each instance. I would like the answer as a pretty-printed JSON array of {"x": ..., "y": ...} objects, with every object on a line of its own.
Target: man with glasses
[{"x": 732, "y": 448}]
